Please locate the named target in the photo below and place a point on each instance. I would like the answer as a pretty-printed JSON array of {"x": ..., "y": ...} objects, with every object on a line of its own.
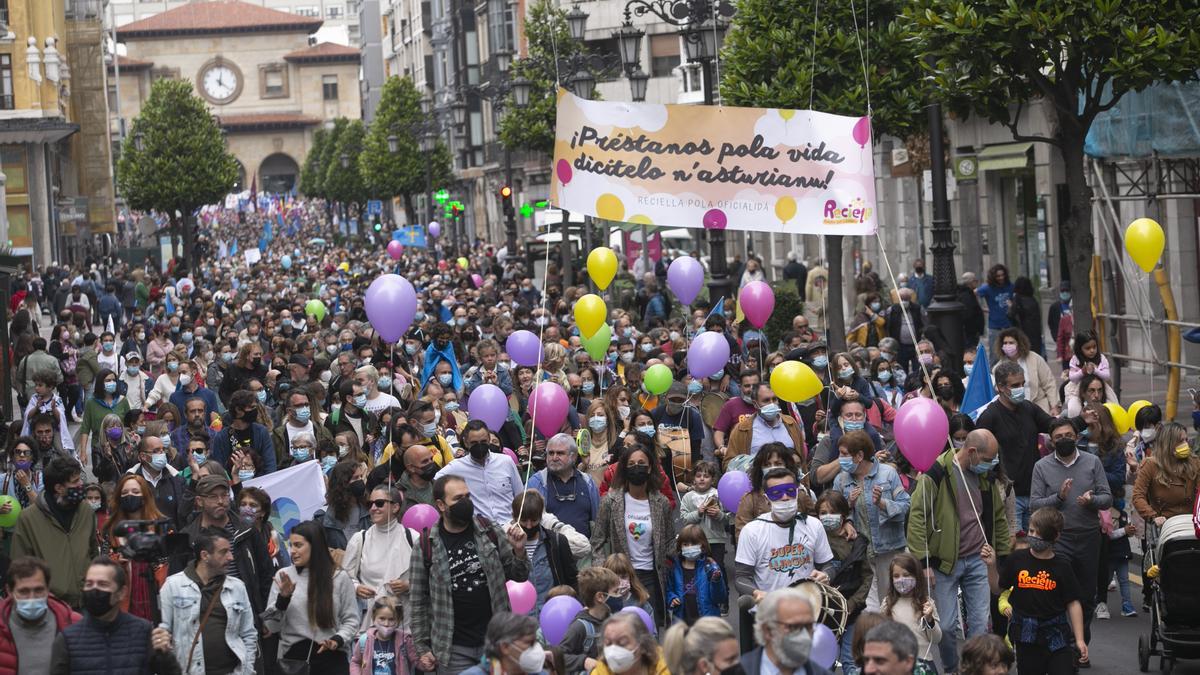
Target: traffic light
[
  {"x": 378, "y": 226},
  {"x": 456, "y": 210},
  {"x": 506, "y": 200}
]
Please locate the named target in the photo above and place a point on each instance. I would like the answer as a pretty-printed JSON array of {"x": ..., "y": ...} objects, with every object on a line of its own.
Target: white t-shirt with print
[
  {"x": 638, "y": 531},
  {"x": 779, "y": 561}
]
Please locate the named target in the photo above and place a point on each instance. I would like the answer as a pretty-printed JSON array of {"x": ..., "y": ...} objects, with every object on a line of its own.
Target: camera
[{"x": 143, "y": 544}]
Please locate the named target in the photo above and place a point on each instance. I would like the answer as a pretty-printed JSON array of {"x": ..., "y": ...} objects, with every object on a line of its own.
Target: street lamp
[
  {"x": 583, "y": 84},
  {"x": 139, "y": 141},
  {"x": 345, "y": 161},
  {"x": 522, "y": 88},
  {"x": 393, "y": 143},
  {"x": 638, "y": 82},
  {"x": 459, "y": 108},
  {"x": 577, "y": 22}
]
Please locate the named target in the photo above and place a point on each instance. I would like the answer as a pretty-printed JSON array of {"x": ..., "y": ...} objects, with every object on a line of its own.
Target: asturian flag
[{"x": 979, "y": 391}]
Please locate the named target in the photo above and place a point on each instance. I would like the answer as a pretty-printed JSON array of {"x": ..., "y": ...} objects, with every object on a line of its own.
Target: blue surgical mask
[
  {"x": 172, "y": 366},
  {"x": 384, "y": 383},
  {"x": 875, "y": 306},
  {"x": 716, "y": 377},
  {"x": 110, "y": 387},
  {"x": 446, "y": 379},
  {"x": 598, "y": 423},
  {"x": 588, "y": 387},
  {"x": 131, "y": 370},
  {"x": 430, "y": 430},
  {"x": 452, "y": 406},
  {"x": 967, "y": 368},
  {"x": 1017, "y": 394},
  {"x": 1064, "y": 296},
  {"x": 984, "y": 467},
  {"x": 187, "y": 337},
  {"x": 853, "y": 425},
  {"x": 158, "y": 460},
  {"x": 107, "y": 346},
  {"x": 327, "y": 463},
  {"x": 303, "y": 413},
  {"x": 200, "y": 457},
  {"x": 300, "y": 454},
  {"x": 694, "y": 387},
  {"x": 227, "y": 357},
  {"x": 885, "y": 376},
  {"x": 692, "y": 552},
  {"x": 360, "y": 401},
  {"x": 770, "y": 412},
  {"x": 410, "y": 349},
  {"x": 646, "y": 430},
  {"x": 820, "y": 361},
  {"x": 245, "y": 474},
  {"x": 848, "y": 465},
  {"x": 261, "y": 395},
  {"x": 33, "y": 609},
  {"x": 846, "y": 373}
]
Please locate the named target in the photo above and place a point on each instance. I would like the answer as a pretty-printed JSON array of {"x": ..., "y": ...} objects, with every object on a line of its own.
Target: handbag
[{"x": 295, "y": 666}]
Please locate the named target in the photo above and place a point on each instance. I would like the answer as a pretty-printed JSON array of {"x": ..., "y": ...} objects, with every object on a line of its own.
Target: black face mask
[
  {"x": 479, "y": 451},
  {"x": 637, "y": 475},
  {"x": 462, "y": 511},
  {"x": 97, "y": 602},
  {"x": 131, "y": 503},
  {"x": 614, "y": 605},
  {"x": 358, "y": 488},
  {"x": 945, "y": 392},
  {"x": 1064, "y": 447},
  {"x": 531, "y": 532},
  {"x": 255, "y": 364},
  {"x": 428, "y": 472}
]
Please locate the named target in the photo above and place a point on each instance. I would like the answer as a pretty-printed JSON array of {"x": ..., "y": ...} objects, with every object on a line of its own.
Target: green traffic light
[
  {"x": 526, "y": 211},
  {"x": 441, "y": 196}
]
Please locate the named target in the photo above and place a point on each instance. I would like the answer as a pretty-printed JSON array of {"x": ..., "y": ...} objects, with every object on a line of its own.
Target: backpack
[
  {"x": 482, "y": 522},
  {"x": 589, "y": 638}
]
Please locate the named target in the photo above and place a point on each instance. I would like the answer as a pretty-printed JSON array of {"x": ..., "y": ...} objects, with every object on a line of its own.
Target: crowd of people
[{"x": 151, "y": 402}]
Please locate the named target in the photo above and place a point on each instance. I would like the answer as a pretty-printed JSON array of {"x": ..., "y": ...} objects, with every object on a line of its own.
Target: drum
[
  {"x": 711, "y": 403},
  {"x": 676, "y": 443}
]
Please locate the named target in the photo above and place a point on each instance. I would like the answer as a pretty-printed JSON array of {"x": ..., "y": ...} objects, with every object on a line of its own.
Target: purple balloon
[
  {"x": 757, "y": 301},
  {"x": 645, "y": 618},
  {"x": 434, "y": 229},
  {"x": 685, "y": 278},
  {"x": 488, "y": 403},
  {"x": 708, "y": 354},
  {"x": 824, "y": 645},
  {"x": 556, "y": 617},
  {"x": 548, "y": 407},
  {"x": 731, "y": 488},
  {"x": 524, "y": 347},
  {"x": 391, "y": 303},
  {"x": 419, "y": 517}
]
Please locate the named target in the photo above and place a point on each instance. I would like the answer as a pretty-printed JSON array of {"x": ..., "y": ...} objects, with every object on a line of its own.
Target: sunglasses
[
  {"x": 381, "y": 503},
  {"x": 781, "y": 491}
]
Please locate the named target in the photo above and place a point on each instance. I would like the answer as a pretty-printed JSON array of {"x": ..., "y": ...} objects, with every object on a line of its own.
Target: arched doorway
[
  {"x": 278, "y": 173},
  {"x": 241, "y": 179}
]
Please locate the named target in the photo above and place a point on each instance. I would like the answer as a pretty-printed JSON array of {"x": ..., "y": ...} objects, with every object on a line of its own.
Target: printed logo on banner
[{"x": 856, "y": 212}]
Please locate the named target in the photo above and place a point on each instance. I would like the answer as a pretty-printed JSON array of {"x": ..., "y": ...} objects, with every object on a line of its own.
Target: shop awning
[{"x": 1006, "y": 156}]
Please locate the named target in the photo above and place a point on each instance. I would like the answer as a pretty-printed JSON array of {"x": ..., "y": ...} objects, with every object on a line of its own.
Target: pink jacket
[
  {"x": 1101, "y": 370},
  {"x": 362, "y": 656}
]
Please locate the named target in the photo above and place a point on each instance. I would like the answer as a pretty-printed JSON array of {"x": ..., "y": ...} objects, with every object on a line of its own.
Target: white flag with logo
[{"x": 296, "y": 492}]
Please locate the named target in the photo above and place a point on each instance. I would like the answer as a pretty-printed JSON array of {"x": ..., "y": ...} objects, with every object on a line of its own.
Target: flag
[
  {"x": 170, "y": 305},
  {"x": 296, "y": 492},
  {"x": 254, "y": 189},
  {"x": 979, "y": 391},
  {"x": 413, "y": 235}
]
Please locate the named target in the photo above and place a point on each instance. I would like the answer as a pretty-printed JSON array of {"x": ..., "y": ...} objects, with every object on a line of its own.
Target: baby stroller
[{"x": 1175, "y": 599}]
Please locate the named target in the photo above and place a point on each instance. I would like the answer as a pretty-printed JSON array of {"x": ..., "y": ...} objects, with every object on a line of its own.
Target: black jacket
[
  {"x": 558, "y": 554},
  {"x": 254, "y": 565},
  {"x": 972, "y": 315},
  {"x": 171, "y": 496}
]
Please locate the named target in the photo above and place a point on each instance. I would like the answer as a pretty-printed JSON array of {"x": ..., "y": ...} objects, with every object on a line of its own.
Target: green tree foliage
[
  {"x": 183, "y": 163},
  {"x": 776, "y": 57},
  {"x": 1077, "y": 57},
  {"x": 345, "y": 184},
  {"x": 313, "y": 174},
  {"x": 403, "y": 173},
  {"x": 532, "y": 128},
  {"x": 328, "y": 155}
]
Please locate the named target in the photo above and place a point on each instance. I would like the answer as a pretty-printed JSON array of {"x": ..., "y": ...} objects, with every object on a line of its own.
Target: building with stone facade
[
  {"x": 340, "y": 16},
  {"x": 269, "y": 88}
]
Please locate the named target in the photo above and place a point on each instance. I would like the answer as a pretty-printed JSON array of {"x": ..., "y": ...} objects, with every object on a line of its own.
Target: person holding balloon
[
  {"x": 488, "y": 370},
  {"x": 768, "y": 425}
]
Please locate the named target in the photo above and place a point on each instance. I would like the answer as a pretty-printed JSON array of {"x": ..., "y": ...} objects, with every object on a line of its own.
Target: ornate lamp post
[{"x": 945, "y": 311}]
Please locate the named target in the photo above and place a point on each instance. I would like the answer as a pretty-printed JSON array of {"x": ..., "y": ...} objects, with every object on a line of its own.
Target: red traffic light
[{"x": 506, "y": 192}]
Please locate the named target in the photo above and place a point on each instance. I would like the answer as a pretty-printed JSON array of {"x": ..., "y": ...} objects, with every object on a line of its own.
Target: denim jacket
[
  {"x": 183, "y": 606},
  {"x": 886, "y": 522}
]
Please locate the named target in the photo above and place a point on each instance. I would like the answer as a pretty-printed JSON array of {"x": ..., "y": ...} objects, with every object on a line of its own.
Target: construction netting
[{"x": 1163, "y": 119}]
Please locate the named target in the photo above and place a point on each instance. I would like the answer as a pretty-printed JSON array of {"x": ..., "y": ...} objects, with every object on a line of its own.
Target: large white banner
[{"x": 297, "y": 492}]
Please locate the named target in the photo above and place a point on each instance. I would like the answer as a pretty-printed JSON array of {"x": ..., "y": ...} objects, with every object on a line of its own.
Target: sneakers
[
  {"x": 1102, "y": 611},
  {"x": 1127, "y": 610}
]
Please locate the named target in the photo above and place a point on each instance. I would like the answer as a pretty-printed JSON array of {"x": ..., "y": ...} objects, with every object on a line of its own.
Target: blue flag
[
  {"x": 979, "y": 391},
  {"x": 413, "y": 235},
  {"x": 170, "y": 306}
]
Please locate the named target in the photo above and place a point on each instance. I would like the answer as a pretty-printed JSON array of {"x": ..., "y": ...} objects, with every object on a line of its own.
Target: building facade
[
  {"x": 340, "y": 16},
  {"x": 254, "y": 66}
]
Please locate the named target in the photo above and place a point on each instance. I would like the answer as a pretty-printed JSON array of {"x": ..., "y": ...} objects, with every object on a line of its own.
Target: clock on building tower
[{"x": 220, "y": 82}]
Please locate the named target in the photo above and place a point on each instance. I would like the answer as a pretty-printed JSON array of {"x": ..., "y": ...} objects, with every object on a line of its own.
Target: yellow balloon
[
  {"x": 785, "y": 208},
  {"x": 590, "y": 311},
  {"x": 794, "y": 381},
  {"x": 462, "y": 262},
  {"x": 1132, "y": 411},
  {"x": 602, "y": 266},
  {"x": 609, "y": 207},
  {"x": 345, "y": 267},
  {"x": 1119, "y": 416},
  {"x": 1144, "y": 239},
  {"x": 787, "y": 114}
]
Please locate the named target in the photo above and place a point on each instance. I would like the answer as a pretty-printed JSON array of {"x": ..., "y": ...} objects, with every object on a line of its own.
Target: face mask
[
  {"x": 627, "y": 357},
  {"x": 967, "y": 368},
  {"x": 430, "y": 430},
  {"x": 158, "y": 460},
  {"x": 784, "y": 509},
  {"x": 360, "y": 401},
  {"x": 694, "y": 387},
  {"x": 770, "y": 412},
  {"x": 227, "y": 357},
  {"x": 598, "y": 423},
  {"x": 33, "y": 609},
  {"x": 479, "y": 451},
  {"x": 96, "y": 504},
  {"x": 452, "y": 406},
  {"x": 245, "y": 474},
  {"x": 588, "y": 387},
  {"x": 983, "y": 467},
  {"x": 327, "y": 463},
  {"x": 691, "y": 552},
  {"x": 141, "y": 336},
  {"x": 97, "y": 602},
  {"x": 793, "y": 650},
  {"x": 187, "y": 337},
  {"x": 1064, "y": 447},
  {"x": 1017, "y": 394},
  {"x": 944, "y": 392},
  {"x": 623, "y": 411},
  {"x": 261, "y": 395},
  {"x": 854, "y": 425},
  {"x": 904, "y": 585},
  {"x": 446, "y": 379},
  {"x": 618, "y": 658},
  {"x": 107, "y": 347},
  {"x": 820, "y": 361},
  {"x": 173, "y": 366},
  {"x": 303, "y": 413},
  {"x": 1009, "y": 350},
  {"x": 615, "y": 604},
  {"x": 428, "y": 472},
  {"x": 846, "y": 373},
  {"x": 462, "y": 512},
  {"x": 1148, "y": 435},
  {"x": 646, "y": 430},
  {"x": 831, "y": 521},
  {"x": 716, "y": 377},
  {"x": 875, "y": 306},
  {"x": 131, "y": 370},
  {"x": 1037, "y": 544},
  {"x": 131, "y": 503},
  {"x": 199, "y": 456},
  {"x": 637, "y": 475},
  {"x": 848, "y": 465},
  {"x": 73, "y": 496},
  {"x": 185, "y": 380},
  {"x": 1182, "y": 451},
  {"x": 299, "y": 454}
]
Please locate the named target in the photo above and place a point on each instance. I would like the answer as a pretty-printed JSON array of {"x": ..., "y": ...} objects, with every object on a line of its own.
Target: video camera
[{"x": 144, "y": 544}]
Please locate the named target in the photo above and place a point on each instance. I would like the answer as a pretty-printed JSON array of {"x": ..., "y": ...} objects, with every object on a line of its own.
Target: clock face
[
  {"x": 966, "y": 167},
  {"x": 220, "y": 83}
]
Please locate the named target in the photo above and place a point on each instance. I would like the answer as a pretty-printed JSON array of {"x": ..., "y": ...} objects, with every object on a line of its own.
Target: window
[
  {"x": 4, "y": 12},
  {"x": 6, "y": 82},
  {"x": 329, "y": 87},
  {"x": 157, "y": 74},
  {"x": 335, "y": 12},
  {"x": 273, "y": 80},
  {"x": 664, "y": 54},
  {"x": 309, "y": 11}
]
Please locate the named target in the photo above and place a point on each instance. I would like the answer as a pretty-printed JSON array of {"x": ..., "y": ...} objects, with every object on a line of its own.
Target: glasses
[
  {"x": 790, "y": 628},
  {"x": 381, "y": 503},
  {"x": 782, "y": 491}
]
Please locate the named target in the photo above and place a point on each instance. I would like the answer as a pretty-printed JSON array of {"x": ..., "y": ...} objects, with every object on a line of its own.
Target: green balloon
[
  {"x": 597, "y": 345},
  {"x": 657, "y": 379},
  {"x": 315, "y": 308}
]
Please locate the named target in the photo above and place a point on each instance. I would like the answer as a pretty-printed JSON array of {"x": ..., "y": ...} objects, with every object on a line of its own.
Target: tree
[
  {"x": 345, "y": 183},
  {"x": 403, "y": 173},
  {"x": 774, "y": 57},
  {"x": 182, "y": 164},
  {"x": 532, "y": 127},
  {"x": 328, "y": 156},
  {"x": 1079, "y": 57},
  {"x": 313, "y": 173}
]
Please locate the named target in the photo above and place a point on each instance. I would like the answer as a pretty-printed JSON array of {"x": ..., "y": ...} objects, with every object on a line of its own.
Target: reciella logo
[{"x": 856, "y": 212}]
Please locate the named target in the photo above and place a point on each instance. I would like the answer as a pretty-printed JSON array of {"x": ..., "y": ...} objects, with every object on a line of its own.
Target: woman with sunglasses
[{"x": 377, "y": 557}]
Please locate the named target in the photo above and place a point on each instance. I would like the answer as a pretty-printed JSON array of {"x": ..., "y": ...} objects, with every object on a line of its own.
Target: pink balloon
[
  {"x": 522, "y": 596},
  {"x": 420, "y": 517},
  {"x": 757, "y": 301},
  {"x": 715, "y": 219},
  {"x": 564, "y": 171},
  {"x": 921, "y": 429},
  {"x": 511, "y": 455},
  {"x": 548, "y": 407},
  {"x": 862, "y": 131},
  {"x": 394, "y": 249},
  {"x": 477, "y": 280}
]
